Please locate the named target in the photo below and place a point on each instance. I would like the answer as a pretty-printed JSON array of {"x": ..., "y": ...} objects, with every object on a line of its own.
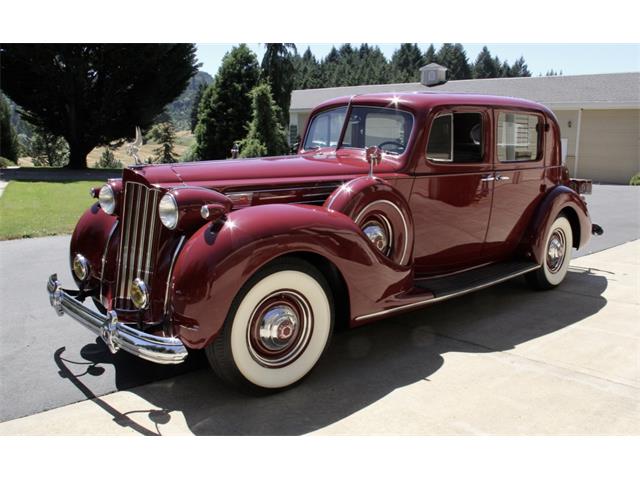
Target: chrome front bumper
[{"x": 165, "y": 350}]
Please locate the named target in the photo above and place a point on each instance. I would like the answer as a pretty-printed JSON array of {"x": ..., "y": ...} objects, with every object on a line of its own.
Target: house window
[
  {"x": 456, "y": 138},
  {"x": 518, "y": 137}
]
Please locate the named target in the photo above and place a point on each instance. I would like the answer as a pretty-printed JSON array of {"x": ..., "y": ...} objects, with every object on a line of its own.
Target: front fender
[
  {"x": 557, "y": 200},
  {"x": 89, "y": 238},
  {"x": 218, "y": 259}
]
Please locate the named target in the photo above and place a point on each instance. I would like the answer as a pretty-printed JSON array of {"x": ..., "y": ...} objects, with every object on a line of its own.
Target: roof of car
[{"x": 430, "y": 99}]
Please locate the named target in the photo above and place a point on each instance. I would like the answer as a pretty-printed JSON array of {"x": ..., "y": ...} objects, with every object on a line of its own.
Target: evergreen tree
[
  {"x": 165, "y": 134},
  {"x": 225, "y": 108},
  {"x": 430, "y": 55},
  {"x": 505, "y": 69},
  {"x": 8, "y": 141},
  {"x": 454, "y": 57},
  {"x": 193, "y": 117},
  {"x": 520, "y": 68},
  {"x": 108, "y": 159},
  {"x": 372, "y": 67},
  {"x": 48, "y": 149},
  {"x": 266, "y": 135},
  {"x": 485, "y": 65},
  {"x": 278, "y": 71},
  {"x": 307, "y": 71},
  {"x": 91, "y": 94},
  {"x": 406, "y": 63}
]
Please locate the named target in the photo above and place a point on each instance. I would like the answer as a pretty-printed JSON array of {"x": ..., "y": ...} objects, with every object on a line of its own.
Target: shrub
[
  {"x": 48, "y": 150},
  {"x": 5, "y": 162},
  {"x": 635, "y": 180},
  {"x": 108, "y": 160}
]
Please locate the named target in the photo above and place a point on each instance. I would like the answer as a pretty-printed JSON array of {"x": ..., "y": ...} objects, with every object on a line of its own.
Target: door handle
[
  {"x": 488, "y": 179},
  {"x": 500, "y": 177}
]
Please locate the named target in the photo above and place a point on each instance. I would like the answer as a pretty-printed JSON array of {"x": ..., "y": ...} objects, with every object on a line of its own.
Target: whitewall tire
[
  {"x": 278, "y": 328},
  {"x": 557, "y": 256}
]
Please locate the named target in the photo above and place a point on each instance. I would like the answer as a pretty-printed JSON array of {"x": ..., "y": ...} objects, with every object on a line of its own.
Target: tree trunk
[{"x": 77, "y": 157}]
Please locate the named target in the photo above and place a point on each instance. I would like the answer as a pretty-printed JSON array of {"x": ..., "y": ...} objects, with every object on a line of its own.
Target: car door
[
  {"x": 518, "y": 179},
  {"x": 451, "y": 197}
]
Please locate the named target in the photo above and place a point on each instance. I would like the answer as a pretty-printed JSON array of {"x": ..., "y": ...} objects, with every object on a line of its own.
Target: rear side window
[
  {"x": 518, "y": 137},
  {"x": 456, "y": 138}
]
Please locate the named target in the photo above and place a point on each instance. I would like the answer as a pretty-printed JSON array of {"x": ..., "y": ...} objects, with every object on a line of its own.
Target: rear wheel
[
  {"x": 277, "y": 329},
  {"x": 555, "y": 265}
]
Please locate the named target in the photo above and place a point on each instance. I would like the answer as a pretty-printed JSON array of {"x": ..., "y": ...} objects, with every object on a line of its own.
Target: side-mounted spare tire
[{"x": 382, "y": 213}]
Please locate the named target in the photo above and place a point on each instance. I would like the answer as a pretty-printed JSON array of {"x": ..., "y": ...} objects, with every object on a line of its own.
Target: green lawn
[{"x": 36, "y": 209}]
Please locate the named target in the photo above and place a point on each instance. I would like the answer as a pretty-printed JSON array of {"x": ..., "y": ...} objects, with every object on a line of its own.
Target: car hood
[{"x": 241, "y": 173}]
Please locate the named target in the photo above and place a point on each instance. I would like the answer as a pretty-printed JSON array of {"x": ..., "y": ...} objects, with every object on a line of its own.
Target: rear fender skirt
[
  {"x": 556, "y": 200},
  {"x": 220, "y": 257}
]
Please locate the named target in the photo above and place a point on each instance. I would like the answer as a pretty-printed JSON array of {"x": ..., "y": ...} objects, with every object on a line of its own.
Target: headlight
[
  {"x": 168, "y": 211},
  {"x": 107, "y": 199},
  {"x": 80, "y": 267}
]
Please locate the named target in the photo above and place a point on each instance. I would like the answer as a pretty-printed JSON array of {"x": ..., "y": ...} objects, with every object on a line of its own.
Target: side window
[
  {"x": 518, "y": 137},
  {"x": 325, "y": 129},
  {"x": 456, "y": 138}
]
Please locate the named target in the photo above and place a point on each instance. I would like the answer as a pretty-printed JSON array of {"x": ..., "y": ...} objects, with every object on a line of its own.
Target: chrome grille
[{"x": 138, "y": 239}]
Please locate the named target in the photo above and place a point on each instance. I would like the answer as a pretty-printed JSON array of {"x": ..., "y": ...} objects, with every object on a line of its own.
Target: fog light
[
  {"x": 81, "y": 267},
  {"x": 139, "y": 294}
]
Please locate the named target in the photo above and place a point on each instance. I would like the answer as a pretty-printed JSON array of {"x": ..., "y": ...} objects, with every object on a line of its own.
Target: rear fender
[
  {"x": 557, "y": 200},
  {"x": 219, "y": 258}
]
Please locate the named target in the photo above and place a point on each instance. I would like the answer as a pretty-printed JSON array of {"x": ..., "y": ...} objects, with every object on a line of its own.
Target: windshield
[
  {"x": 325, "y": 129},
  {"x": 386, "y": 128}
]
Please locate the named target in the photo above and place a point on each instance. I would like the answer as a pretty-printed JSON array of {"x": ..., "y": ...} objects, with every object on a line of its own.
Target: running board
[{"x": 451, "y": 286}]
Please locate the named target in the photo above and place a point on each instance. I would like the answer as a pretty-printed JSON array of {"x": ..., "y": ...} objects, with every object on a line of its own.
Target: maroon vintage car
[{"x": 393, "y": 202}]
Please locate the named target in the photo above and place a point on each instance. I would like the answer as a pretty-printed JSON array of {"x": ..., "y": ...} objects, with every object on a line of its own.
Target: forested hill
[{"x": 180, "y": 109}]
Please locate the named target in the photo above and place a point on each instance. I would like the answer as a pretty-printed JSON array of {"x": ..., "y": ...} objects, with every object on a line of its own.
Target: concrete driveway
[{"x": 505, "y": 360}]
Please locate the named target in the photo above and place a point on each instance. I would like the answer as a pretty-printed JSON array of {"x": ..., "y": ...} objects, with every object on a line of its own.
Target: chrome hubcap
[
  {"x": 277, "y": 327},
  {"x": 280, "y": 329},
  {"x": 378, "y": 231},
  {"x": 556, "y": 250}
]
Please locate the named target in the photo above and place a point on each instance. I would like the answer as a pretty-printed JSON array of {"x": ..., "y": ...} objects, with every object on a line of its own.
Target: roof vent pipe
[{"x": 433, "y": 75}]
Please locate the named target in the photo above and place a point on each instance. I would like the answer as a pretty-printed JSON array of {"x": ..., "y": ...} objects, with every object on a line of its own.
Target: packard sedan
[{"x": 392, "y": 203}]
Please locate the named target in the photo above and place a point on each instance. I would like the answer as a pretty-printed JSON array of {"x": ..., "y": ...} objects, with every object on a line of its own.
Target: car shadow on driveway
[{"x": 362, "y": 365}]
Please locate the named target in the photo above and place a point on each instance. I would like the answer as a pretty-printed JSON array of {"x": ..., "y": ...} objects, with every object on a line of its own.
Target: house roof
[{"x": 601, "y": 91}]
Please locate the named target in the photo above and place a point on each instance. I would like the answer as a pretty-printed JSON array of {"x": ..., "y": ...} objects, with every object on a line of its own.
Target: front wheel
[
  {"x": 555, "y": 265},
  {"x": 277, "y": 329}
]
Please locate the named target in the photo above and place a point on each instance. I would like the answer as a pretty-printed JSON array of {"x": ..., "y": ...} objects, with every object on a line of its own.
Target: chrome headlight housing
[
  {"x": 107, "y": 199},
  {"x": 168, "y": 211},
  {"x": 81, "y": 267}
]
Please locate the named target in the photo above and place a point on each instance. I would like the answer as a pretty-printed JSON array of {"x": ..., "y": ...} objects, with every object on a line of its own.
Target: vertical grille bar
[{"x": 137, "y": 240}]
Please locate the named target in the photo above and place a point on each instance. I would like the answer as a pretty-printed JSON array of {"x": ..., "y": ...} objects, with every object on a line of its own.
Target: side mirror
[{"x": 374, "y": 157}]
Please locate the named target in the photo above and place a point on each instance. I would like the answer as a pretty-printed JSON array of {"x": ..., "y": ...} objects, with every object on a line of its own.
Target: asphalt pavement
[{"x": 48, "y": 361}]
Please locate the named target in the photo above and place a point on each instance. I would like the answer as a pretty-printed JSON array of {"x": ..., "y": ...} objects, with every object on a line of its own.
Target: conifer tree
[
  {"x": 406, "y": 63},
  {"x": 92, "y": 94},
  {"x": 225, "y": 108},
  {"x": 8, "y": 139},
  {"x": 193, "y": 118},
  {"x": 277, "y": 69},
  {"x": 266, "y": 135},
  {"x": 454, "y": 57}
]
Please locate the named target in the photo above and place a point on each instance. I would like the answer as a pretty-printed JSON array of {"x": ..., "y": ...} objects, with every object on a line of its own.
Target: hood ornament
[{"x": 132, "y": 148}]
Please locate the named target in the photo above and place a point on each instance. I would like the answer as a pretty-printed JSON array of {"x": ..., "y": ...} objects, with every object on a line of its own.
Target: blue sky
[{"x": 572, "y": 59}]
